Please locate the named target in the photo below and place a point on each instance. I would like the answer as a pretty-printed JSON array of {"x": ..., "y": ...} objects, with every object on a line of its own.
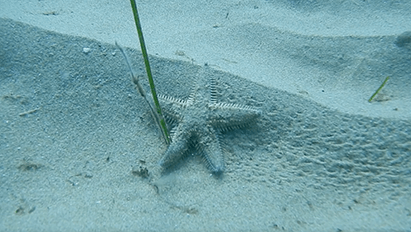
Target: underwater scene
[{"x": 260, "y": 115}]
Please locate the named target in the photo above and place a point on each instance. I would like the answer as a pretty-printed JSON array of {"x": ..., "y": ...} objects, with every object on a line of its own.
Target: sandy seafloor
[{"x": 321, "y": 158}]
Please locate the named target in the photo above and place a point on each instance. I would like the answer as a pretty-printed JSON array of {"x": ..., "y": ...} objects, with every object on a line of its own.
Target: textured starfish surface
[{"x": 200, "y": 119}]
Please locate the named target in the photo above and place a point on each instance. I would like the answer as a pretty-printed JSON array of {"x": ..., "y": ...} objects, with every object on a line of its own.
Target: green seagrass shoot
[{"x": 157, "y": 112}]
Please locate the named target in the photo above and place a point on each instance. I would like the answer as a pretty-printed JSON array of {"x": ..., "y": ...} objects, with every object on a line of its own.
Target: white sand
[
  {"x": 336, "y": 52},
  {"x": 73, "y": 127}
]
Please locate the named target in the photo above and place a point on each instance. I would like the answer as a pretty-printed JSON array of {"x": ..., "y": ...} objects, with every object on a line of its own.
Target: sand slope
[
  {"x": 73, "y": 128},
  {"x": 335, "y": 52}
]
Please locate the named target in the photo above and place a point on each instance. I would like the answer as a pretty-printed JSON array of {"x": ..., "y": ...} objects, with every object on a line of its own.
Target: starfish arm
[
  {"x": 176, "y": 102},
  {"x": 210, "y": 145},
  {"x": 177, "y": 148},
  {"x": 231, "y": 116},
  {"x": 172, "y": 108}
]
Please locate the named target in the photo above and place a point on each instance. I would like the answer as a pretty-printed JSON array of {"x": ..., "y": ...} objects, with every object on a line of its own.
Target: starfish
[{"x": 201, "y": 119}]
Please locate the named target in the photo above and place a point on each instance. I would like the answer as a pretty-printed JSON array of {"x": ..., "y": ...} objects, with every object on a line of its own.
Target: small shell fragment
[{"x": 86, "y": 50}]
